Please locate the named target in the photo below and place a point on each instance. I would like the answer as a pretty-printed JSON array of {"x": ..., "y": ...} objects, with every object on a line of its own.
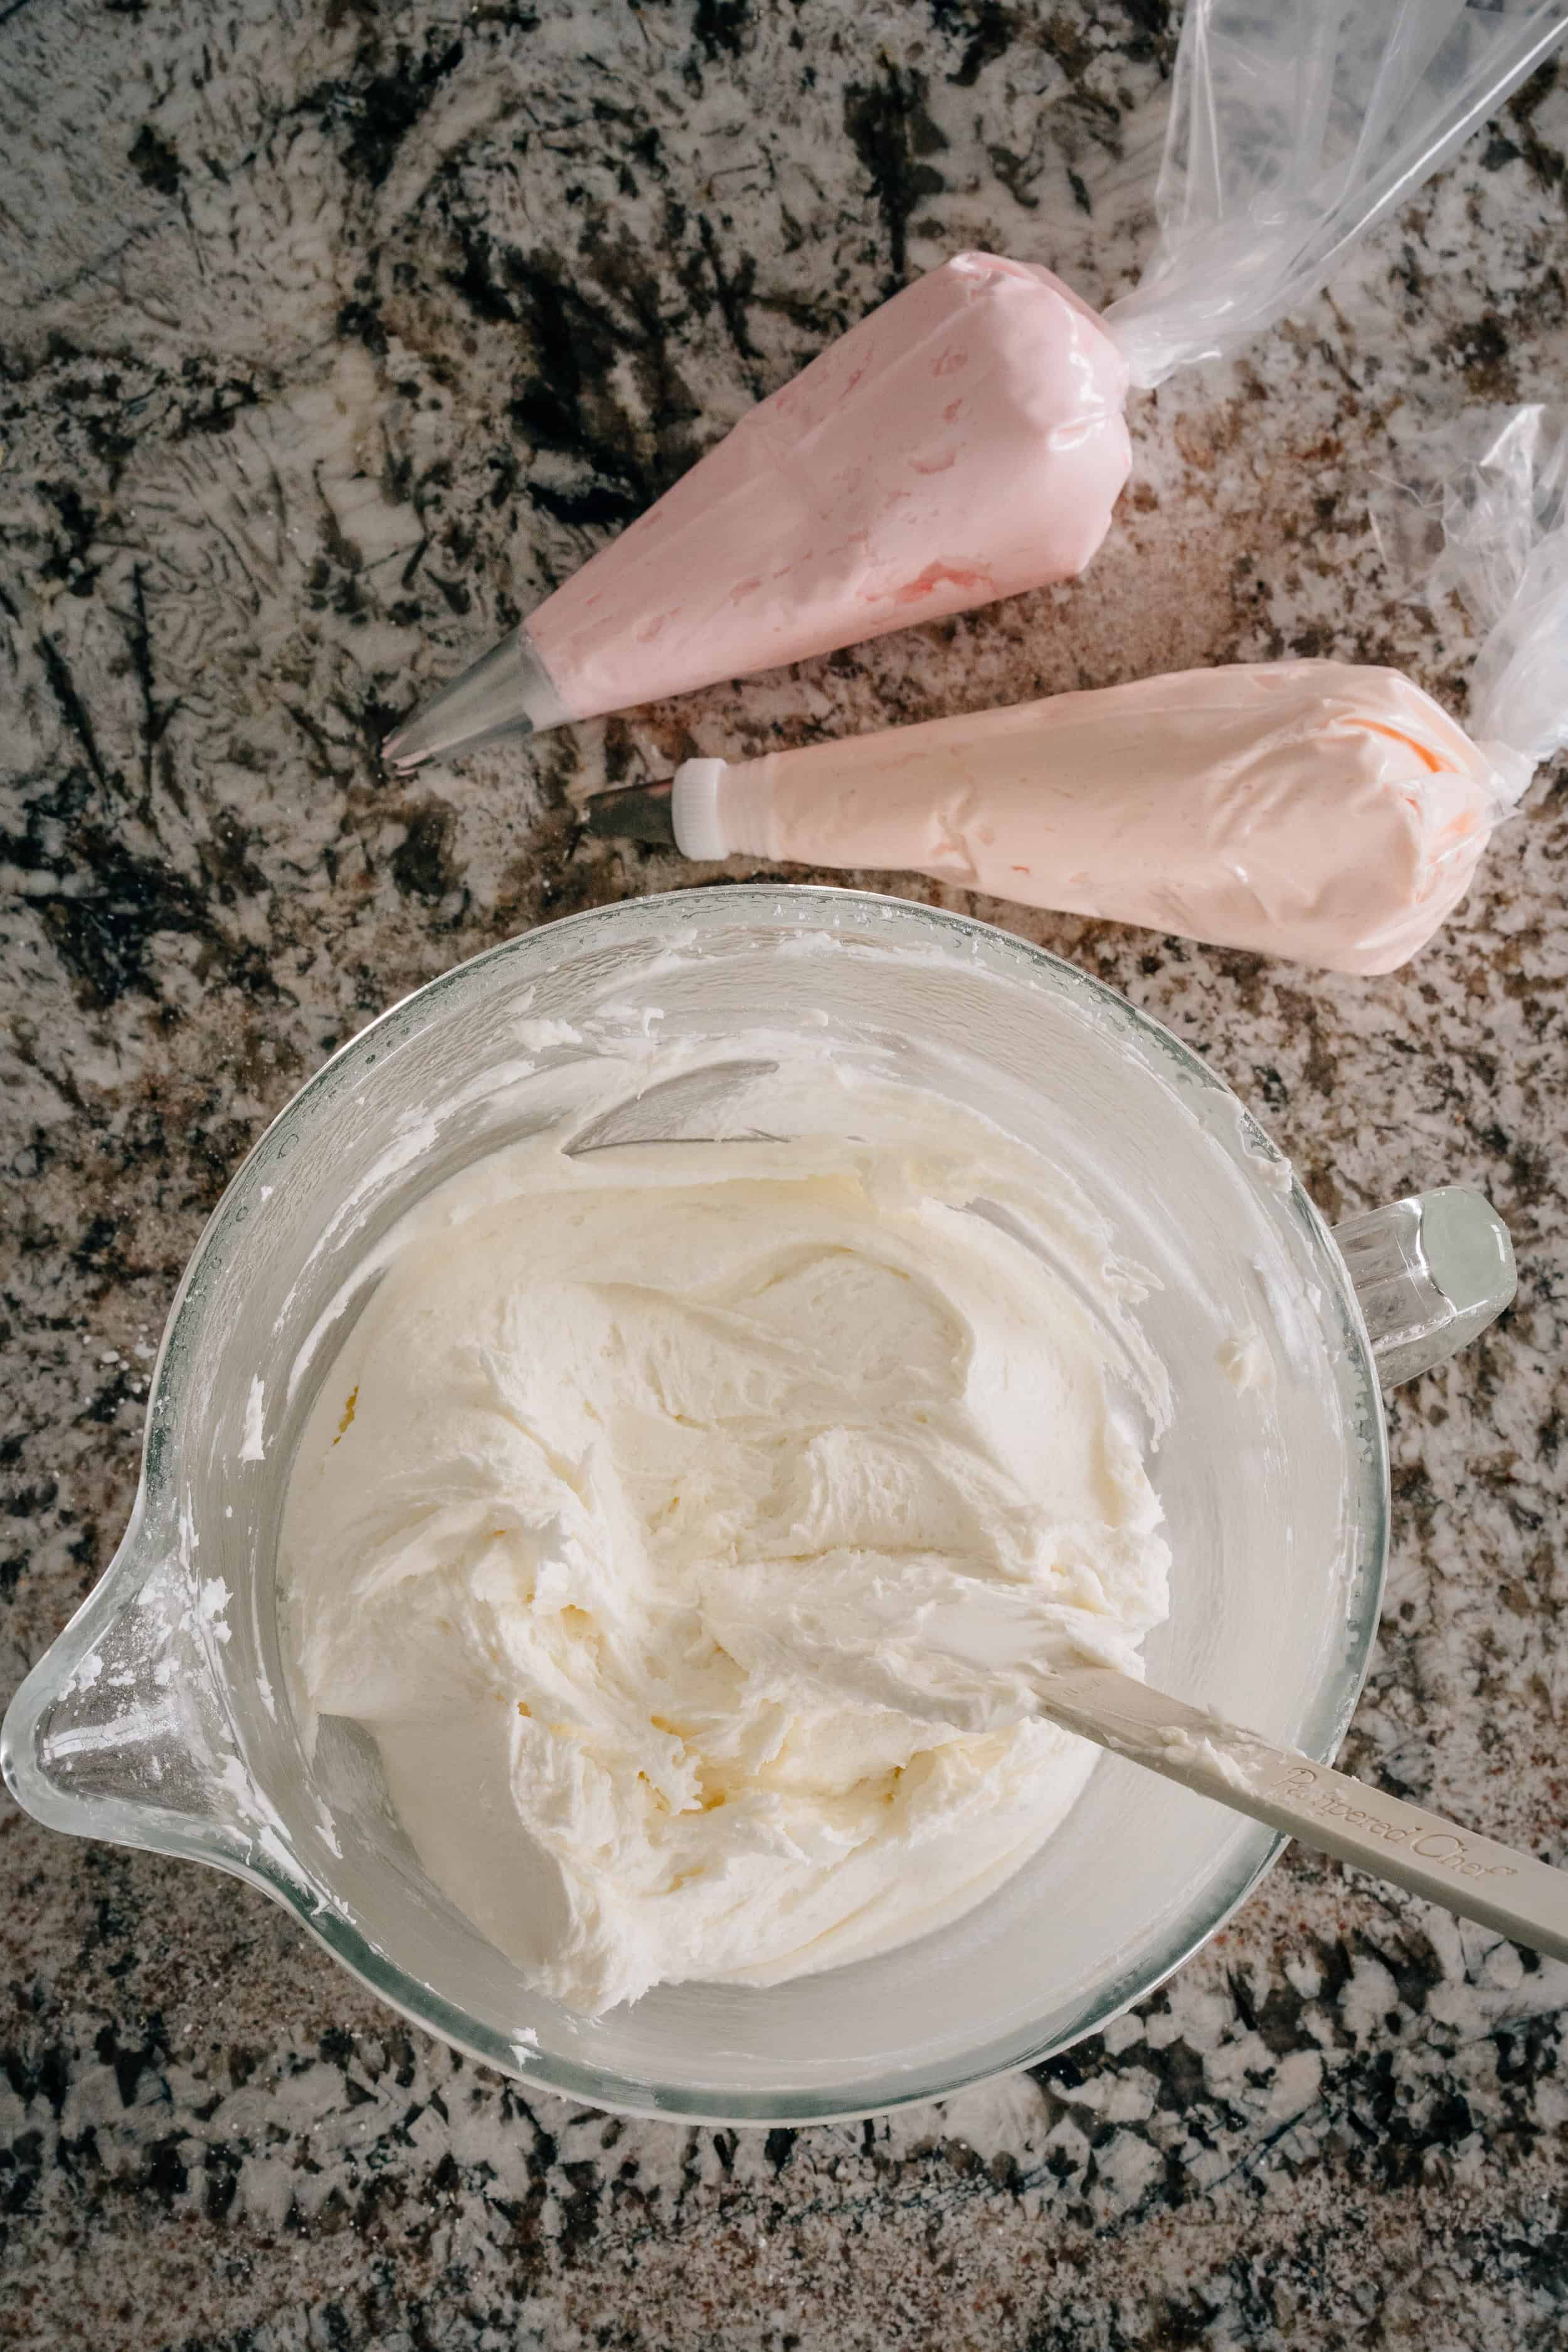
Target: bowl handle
[{"x": 1431, "y": 1272}]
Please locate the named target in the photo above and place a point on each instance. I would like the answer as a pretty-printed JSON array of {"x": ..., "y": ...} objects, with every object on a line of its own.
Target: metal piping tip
[
  {"x": 508, "y": 691},
  {"x": 633, "y": 813}
]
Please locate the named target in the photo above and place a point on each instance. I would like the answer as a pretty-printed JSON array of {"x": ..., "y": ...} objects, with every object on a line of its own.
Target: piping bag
[
  {"x": 966, "y": 440},
  {"x": 1318, "y": 810}
]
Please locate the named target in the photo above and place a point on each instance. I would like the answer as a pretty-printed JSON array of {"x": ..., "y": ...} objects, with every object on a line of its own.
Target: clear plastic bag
[
  {"x": 1479, "y": 508},
  {"x": 1295, "y": 125}
]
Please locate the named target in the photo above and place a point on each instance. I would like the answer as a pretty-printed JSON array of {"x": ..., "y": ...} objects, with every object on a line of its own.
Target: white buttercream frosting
[{"x": 620, "y": 1510}]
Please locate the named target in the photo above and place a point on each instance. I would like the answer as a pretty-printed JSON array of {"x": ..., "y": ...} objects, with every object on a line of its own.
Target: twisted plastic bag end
[
  {"x": 1295, "y": 126},
  {"x": 1480, "y": 509}
]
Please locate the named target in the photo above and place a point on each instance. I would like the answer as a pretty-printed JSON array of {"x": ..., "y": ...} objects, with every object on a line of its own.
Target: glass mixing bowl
[{"x": 163, "y": 1717}]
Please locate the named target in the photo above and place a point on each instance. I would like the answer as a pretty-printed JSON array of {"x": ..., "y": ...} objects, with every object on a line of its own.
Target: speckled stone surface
[{"x": 333, "y": 336}]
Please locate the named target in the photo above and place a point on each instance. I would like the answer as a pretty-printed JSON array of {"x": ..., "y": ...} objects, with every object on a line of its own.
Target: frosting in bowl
[{"x": 619, "y": 1511}]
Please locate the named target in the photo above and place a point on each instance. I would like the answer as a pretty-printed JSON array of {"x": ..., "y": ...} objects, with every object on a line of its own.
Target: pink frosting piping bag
[{"x": 966, "y": 441}]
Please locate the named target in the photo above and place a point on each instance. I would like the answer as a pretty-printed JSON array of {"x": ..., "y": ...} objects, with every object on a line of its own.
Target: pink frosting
[
  {"x": 964, "y": 442},
  {"x": 1314, "y": 810}
]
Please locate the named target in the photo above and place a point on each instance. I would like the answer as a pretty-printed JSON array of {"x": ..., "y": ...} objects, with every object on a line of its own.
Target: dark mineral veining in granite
[{"x": 332, "y": 339}]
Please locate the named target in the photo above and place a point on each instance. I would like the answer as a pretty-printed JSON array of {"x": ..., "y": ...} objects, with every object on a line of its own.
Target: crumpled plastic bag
[{"x": 1478, "y": 509}]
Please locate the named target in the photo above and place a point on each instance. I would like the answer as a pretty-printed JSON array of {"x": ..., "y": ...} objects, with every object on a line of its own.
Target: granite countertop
[{"x": 332, "y": 337}]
